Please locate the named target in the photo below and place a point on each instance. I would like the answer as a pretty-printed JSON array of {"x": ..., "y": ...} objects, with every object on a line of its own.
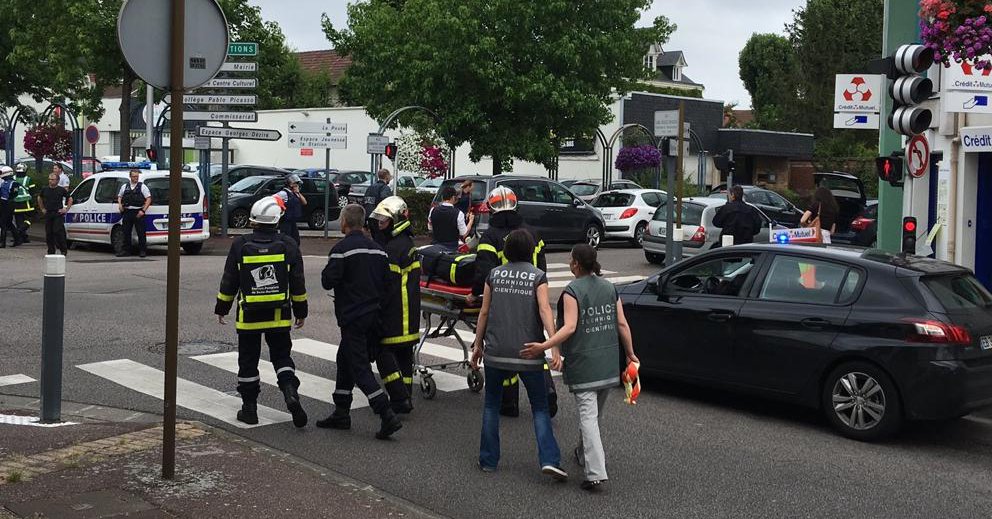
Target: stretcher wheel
[
  {"x": 475, "y": 381},
  {"x": 428, "y": 387}
]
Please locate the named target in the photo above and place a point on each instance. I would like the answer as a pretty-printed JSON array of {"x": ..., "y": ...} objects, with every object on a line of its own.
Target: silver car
[{"x": 698, "y": 232}]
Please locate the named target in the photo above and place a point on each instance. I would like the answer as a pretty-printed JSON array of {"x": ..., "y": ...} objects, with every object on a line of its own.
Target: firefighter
[
  {"x": 502, "y": 203},
  {"x": 357, "y": 269},
  {"x": 22, "y": 201},
  {"x": 264, "y": 271},
  {"x": 401, "y": 305}
]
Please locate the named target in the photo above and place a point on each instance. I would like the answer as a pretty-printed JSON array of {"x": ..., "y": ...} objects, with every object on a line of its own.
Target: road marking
[
  {"x": 558, "y": 265},
  {"x": 315, "y": 387},
  {"x": 189, "y": 395},
  {"x": 445, "y": 381},
  {"x": 11, "y": 380},
  {"x": 622, "y": 279},
  {"x": 568, "y": 274}
]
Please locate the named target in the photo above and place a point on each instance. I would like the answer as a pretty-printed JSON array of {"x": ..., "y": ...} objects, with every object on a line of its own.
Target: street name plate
[
  {"x": 311, "y": 140},
  {"x": 317, "y": 127},
  {"x": 376, "y": 144},
  {"x": 240, "y": 133},
  {"x": 210, "y": 99},
  {"x": 239, "y": 67},
  {"x": 246, "y": 117},
  {"x": 231, "y": 83},
  {"x": 242, "y": 48}
]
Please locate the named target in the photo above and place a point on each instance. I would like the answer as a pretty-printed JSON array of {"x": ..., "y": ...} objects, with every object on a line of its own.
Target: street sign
[
  {"x": 306, "y": 152},
  {"x": 231, "y": 83},
  {"x": 317, "y": 127},
  {"x": 965, "y": 77},
  {"x": 246, "y": 117},
  {"x": 856, "y": 120},
  {"x": 239, "y": 133},
  {"x": 376, "y": 144},
  {"x": 313, "y": 140},
  {"x": 966, "y": 102},
  {"x": 242, "y": 48},
  {"x": 143, "y": 33},
  {"x": 201, "y": 143},
  {"x": 918, "y": 156},
  {"x": 208, "y": 99},
  {"x": 858, "y": 93},
  {"x": 976, "y": 139},
  {"x": 92, "y": 134},
  {"x": 239, "y": 67},
  {"x": 666, "y": 123}
]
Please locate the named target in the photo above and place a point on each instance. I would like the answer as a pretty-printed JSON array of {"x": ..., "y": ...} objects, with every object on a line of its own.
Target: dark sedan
[
  {"x": 776, "y": 206},
  {"x": 249, "y": 190},
  {"x": 869, "y": 337}
]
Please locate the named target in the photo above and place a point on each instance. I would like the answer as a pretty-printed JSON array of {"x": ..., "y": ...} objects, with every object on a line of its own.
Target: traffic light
[
  {"x": 390, "y": 151},
  {"x": 909, "y": 235},
  {"x": 910, "y": 89},
  {"x": 151, "y": 154},
  {"x": 889, "y": 169}
]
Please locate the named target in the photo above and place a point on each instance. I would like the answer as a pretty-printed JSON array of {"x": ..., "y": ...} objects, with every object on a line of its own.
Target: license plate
[
  {"x": 607, "y": 216},
  {"x": 986, "y": 342}
]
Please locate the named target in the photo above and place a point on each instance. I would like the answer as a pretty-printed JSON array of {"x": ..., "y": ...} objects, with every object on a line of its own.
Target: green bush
[
  {"x": 419, "y": 204},
  {"x": 215, "y": 205}
]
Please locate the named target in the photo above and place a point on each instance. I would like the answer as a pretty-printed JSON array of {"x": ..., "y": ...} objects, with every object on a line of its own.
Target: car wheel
[
  {"x": 593, "y": 235},
  {"x": 239, "y": 218},
  {"x": 117, "y": 239},
  {"x": 861, "y": 402},
  {"x": 193, "y": 248},
  {"x": 316, "y": 219},
  {"x": 654, "y": 259},
  {"x": 639, "y": 234}
]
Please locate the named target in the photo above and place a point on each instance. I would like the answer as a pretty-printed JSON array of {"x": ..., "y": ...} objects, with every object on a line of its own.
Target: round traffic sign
[
  {"x": 92, "y": 134},
  {"x": 918, "y": 156},
  {"x": 143, "y": 32}
]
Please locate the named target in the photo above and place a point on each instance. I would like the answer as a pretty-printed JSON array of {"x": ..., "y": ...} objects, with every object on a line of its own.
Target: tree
[
  {"x": 506, "y": 76},
  {"x": 768, "y": 69}
]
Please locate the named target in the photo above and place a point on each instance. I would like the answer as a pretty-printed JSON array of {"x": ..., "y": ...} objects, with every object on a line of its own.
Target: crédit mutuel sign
[{"x": 977, "y": 139}]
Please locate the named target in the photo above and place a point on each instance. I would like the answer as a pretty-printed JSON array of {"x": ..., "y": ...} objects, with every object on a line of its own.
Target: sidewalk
[{"x": 108, "y": 464}]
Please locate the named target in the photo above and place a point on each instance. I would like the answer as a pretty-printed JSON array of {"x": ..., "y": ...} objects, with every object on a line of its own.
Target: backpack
[{"x": 264, "y": 275}]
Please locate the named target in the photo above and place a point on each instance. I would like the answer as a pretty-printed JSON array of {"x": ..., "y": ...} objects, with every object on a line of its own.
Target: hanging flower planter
[
  {"x": 49, "y": 141},
  {"x": 635, "y": 158},
  {"x": 958, "y": 30}
]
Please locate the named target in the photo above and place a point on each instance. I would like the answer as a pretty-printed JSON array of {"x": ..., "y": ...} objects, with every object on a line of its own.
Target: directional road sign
[
  {"x": 238, "y": 67},
  {"x": 231, "y": 83},
  {"x": 376, "y": 144},
  {"x": 242, "y": 48},
  {"x": 248, "y": 117},
  {"x": 209, "y": 99},
  {"x": 239, "y": 133},
  {"x": 312, "y": 140},
  {"x": 317, "y": 127}
]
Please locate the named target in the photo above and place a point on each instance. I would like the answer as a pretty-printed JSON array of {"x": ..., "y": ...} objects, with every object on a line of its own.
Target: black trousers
[
  {"x": 511, "y": 388},
  {"x": 359, "y": 345},
  {"x": 249, "y": 353},
  {"x": 291, "y": 229},
  {"x": 396, "y": 370},
  {"x": 22, "y": 221},
  {"x": 132, "y": 221},
  {"x": 7, "y": 224},
  {"x": 55, "y": 232}
]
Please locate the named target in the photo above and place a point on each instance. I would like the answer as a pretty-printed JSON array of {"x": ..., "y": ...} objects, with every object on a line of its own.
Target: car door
[
  {"x": 570, "y": 216},
  {"x": 687, "y": 325},
  {"x": 104, "y": 211},
  {"x": 77, "y": 223},
  {"x": 791, "y": 319},
  {"x": 787, "y": 213}
]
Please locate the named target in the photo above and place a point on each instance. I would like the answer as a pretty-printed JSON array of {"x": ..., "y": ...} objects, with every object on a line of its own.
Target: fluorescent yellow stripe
[
  {"x": 406, "y": 303},
  {"x": 400, "y": 339},
  {"x": 391, "y": 377},
  {"x": 507, "y": 382},
  {"x": 401, "y": 227},
  {"x": 408, "y": 380},
  {"x": 486, "y": 247},
  {"x": 267, "y": 258},
  {"x": 265, "y": 299},
  {"x": 277, "y": 322},
  {"x": 396, "y": 268},
  {"x": 224, "y": 297},
  {"x": 299, "y": 298}
]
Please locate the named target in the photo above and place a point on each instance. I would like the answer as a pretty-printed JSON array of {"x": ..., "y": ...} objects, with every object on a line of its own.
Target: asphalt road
[{"x": 681, "y": 452}]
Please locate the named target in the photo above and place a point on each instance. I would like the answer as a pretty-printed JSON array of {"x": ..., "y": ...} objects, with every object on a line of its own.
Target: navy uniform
[
  {"x": 8, "y": 190},
  {"x": 294, "y": 209},
  {"x": 264, "y": 272}
]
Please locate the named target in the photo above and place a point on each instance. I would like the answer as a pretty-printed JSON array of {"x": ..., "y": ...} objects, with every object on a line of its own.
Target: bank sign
[{"x": 976, "y": 140}]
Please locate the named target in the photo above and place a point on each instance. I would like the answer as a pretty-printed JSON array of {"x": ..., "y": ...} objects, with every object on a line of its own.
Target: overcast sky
[{"x": 711, "y": 32}]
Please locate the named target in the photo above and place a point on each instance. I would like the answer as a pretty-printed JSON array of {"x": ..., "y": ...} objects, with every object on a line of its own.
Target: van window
[
  {"x": 83, "y": 191},
  {"x": 160, "y": 191},
  {"x": 107, "y": 189}
]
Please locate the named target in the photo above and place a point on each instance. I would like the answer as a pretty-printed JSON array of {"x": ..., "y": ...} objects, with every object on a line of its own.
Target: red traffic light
[
  {"x": 151, "y": 154},
  {"x": 889, "y": 169},
  {"x": 909, "y": 225},
  {"x": 390, "y": 151}
]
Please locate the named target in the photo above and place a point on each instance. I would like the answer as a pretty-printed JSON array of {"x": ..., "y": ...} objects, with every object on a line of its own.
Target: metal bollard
[
  {"x": 677, "y": 244},
  {"x": 726, "y": 241},
  {"x": 52, "y": 322}
]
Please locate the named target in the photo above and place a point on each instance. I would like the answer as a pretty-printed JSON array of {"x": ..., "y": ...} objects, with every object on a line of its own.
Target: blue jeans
[{"x": 547, "y": 447}]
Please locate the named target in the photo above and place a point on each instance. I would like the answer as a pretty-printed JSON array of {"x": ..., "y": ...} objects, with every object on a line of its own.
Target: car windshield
[
  {"x": 431, "y": 182},
  {"x": 692, "y": 214},
  {"x": 581, "y": 189},
  {"x": 248, "y": 185},
  {"x": 959, "y": 292},
  {"x": 614, "y": 200}
]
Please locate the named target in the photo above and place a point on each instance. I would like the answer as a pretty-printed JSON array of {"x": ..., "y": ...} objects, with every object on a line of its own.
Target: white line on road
[
  {"x": 568, "y": 274},
  {"x": 189, "y": 395},
  {"x": 11, "y": 380},
  {"x": 622, "y": 279}
]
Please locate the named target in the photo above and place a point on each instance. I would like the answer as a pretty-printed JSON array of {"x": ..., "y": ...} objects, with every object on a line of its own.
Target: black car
[
  {"x": 249, "y": 190},
  {"x": 776, "y": 206},
  {"x": 863, "y": 230},
  {"x": 869, "y": 337},
  {"x": 238, "y": 173},
  {"x": 849, "y": 191},
  {"x": 545, "y": 205}
]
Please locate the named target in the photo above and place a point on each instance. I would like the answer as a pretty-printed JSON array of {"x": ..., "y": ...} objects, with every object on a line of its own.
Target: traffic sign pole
[
  {"x": 327, "y": 188},
  {"x": 223, "y": 186}
]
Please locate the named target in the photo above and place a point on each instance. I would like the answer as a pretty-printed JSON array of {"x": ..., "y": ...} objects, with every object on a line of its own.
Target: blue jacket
[{"x": 356, "y": 271}]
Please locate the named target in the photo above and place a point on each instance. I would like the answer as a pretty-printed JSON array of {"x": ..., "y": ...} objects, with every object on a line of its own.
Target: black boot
[
  {"x": 338, "y": 420},
  {"x": 292, "y": 398},
  {"x": 402, "y": 406},
  {"x": 248, "y": 413},
  {"x": 390, "y": 424}
]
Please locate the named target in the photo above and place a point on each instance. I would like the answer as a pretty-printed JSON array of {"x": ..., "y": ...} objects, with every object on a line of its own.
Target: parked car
[
  {"x": 863, "y": 230},
  {"x": 776, "y": 206},
  {"x": 588, "y": 190},
  {"x": 46, "y": 165},
  {"x": 343, "y": 181},
  {"x": 237, "y": 173},
  {"x": 249, "y": 190},
  {"x": 357, "y": 191},
  {"x": 627, "y": 212},
  {"x": 431, "y": 185},
  {"x": 868, "y": 337},
  {"x": 698, "y": 232},
  {"x": 849, "y": 191},
  {"x": 545, "y": 205},
  {"x": 90, "y": 165}
]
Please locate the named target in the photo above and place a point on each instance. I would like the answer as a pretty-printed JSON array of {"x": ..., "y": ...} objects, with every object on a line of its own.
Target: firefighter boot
[
  {"x": 390, "y": 424},
  {"x": 339, "y": 419},
  {"x": 292, "y": 398},
  {"x": 248, "y": 413},
  {"x": 402, "y": 406}
]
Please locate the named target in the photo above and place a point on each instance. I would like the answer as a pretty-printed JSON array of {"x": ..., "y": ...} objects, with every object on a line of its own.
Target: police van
[{"x": 95, "y": 217}]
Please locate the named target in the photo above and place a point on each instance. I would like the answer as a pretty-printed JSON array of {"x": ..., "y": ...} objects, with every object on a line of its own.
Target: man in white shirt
[
  {"x": 63, "y": 178},
  {"x": 446, "y": 223},
  {"x": 133, "y": 200}
]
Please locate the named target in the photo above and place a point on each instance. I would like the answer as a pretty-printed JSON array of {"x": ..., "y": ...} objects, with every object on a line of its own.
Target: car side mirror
[{"x": 577, "y": 202}]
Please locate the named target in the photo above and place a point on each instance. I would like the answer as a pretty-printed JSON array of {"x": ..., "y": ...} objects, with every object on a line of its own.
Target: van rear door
[{"x": 191, "y": 198}]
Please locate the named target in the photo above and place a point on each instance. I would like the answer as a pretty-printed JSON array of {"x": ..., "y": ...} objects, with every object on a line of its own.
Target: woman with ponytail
[{"x": 592, "y": 328}]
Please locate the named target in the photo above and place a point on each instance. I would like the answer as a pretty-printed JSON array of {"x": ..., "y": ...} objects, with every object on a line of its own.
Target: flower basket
[
  {"x": 50, "y": 141},
  {"x": 635, "y": 158},
  {"x": 957, "y": 30}
]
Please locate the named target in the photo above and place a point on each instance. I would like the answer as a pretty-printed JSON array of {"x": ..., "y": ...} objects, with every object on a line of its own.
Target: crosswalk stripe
[
  {"x": 189, "y": 395},
  {"x": 558, "y": 265},
  {"x": 622, "y": 279},
  {"x": 11, "y": 380},
  {"x": 315, "y": 387},
  {"x": 445, "y": 381},
  {"x": 568, "y": 274}
]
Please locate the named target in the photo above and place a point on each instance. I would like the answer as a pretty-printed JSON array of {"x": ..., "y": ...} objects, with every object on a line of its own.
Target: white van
[{"x": 95, "y": 218}]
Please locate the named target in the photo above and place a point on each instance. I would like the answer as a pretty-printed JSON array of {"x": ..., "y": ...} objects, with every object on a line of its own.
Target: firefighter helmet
[
  {"x": 502, "y": 199},
  {"x": 391, "y": 208},
  {"x": 267, "y": 211}
]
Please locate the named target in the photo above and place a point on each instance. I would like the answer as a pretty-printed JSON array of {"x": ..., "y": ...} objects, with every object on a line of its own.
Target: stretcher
[{"x": 447, "y": 305}]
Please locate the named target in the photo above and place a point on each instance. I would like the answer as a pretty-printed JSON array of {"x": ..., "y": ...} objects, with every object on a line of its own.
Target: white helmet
[
  {"x": 293, "y": 179},
  {"x": 391, "y": 207},
  {"x": 502, "y": 199},
  {"x": 21, "y": 168},
  {"x": 6, "y": 171},
  {"x": 267, "y": 211}
]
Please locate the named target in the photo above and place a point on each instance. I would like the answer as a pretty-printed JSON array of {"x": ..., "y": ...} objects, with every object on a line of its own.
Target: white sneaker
[{"x": 555, "y": 472}]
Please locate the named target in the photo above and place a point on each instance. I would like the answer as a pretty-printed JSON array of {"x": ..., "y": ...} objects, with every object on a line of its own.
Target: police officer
[
  {"x": 504, "y": 219},
  {"x": 22, "y": 201},
  {"x": 8, "y": 190},
  {"x": 264, "y": 271},
  {"x": 377, "y": 192},
  {"x": 401, "y": 304},
  {"x": 294, "y": 201},
  {"x": 356, "y": 271}
]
